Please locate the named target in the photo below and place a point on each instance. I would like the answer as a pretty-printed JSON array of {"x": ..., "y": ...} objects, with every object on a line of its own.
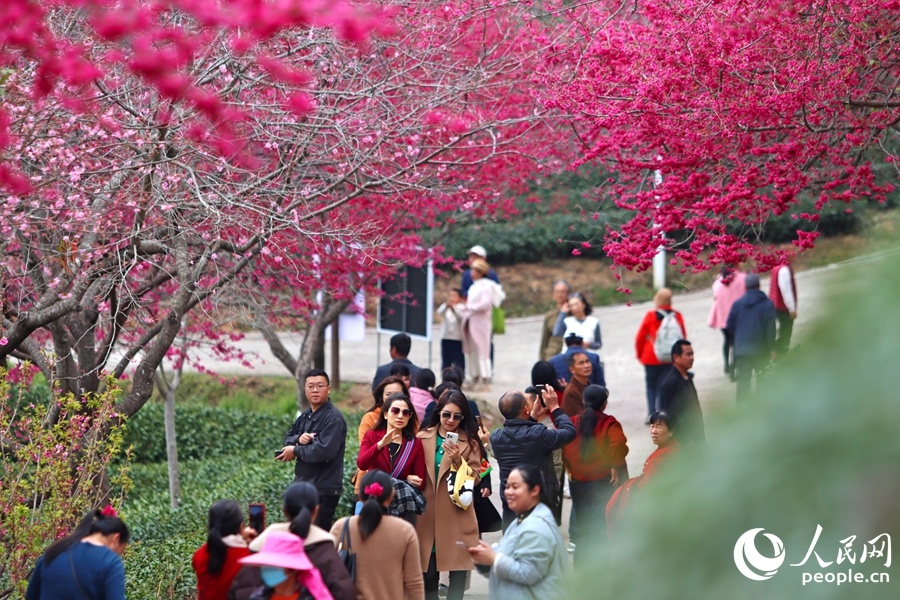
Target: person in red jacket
[
  {"x": 595, "y": 461},
  {"x": 662, "y": 433},
  {"x": 656, "y": 365},
  {"x": 216, "y": 561},
  {"x": 392, "y": 445}
]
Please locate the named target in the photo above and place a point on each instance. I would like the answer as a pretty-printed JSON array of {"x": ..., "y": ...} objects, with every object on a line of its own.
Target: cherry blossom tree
[
  {"x": 166, "y": 158},
  {"x": 742, "y": 107}
]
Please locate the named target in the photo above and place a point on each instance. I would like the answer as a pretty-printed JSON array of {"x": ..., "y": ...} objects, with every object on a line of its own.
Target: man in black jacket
[
  {"x": 524, "y": 441},
  {"x": 678, "y": 396},
  {"x": 317, "y": 440}
]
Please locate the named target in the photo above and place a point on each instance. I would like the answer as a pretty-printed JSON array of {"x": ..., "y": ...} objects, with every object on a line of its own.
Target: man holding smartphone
[
  {"x": 317, "y": 440},
  {"x": 524, "y": 440}
]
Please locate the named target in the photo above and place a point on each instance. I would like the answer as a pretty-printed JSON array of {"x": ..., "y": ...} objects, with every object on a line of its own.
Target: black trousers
[
  {"x": 327, "y": 505},
  {"x": 431, "y": 576}
]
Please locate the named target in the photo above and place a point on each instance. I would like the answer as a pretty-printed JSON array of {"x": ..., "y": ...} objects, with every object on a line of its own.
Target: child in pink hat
[{"x": 285, "y": 569}]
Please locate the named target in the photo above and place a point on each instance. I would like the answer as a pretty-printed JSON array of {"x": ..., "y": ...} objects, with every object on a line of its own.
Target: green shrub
[
  {"x": 159, "y": 563},
  {"x": 203, "y": 430}
]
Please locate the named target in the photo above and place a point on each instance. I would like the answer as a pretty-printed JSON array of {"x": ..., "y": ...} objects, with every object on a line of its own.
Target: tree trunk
[{"x": 172, "y": 444}]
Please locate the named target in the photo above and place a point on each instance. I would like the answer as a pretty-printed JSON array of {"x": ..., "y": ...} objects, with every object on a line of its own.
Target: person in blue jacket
[{"x": 84, "y": 565}]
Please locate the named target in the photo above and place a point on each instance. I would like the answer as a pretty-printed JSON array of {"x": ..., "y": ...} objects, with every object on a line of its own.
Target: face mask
[{"x": 272, "y": 576}]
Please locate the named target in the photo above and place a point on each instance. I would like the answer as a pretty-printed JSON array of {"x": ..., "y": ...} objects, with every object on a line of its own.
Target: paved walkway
[{"x": 516, "y": 352}]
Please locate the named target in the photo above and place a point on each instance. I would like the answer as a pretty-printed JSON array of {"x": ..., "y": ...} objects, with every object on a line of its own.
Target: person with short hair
[
  {"x": 574, "y": 343},
  {"x": 783, "y": 293},
  {"x": 400, "y": 346},
  {"x": 86, "y": 564},
  {"x": 663, "y": 435},
  {"x": 316, "y": 441},
  {"x": 655, "y": 367},
  {"x": 678, "y": 396},
  {"x": 751, "y": 324},
  {"x": 529, "y": 562},
  {"x": 580, "y": 369},
  {"x": 551, "y": 345},
  {"x": 453, "y": 313},
  {"x": 524, "y": 440},
  {"x": 388, "y": 563}
]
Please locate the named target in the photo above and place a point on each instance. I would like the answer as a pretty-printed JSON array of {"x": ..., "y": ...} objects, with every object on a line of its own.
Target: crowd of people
[{"x": 423, "y": 468}]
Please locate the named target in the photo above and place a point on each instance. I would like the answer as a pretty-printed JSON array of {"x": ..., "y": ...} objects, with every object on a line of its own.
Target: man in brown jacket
[{"x": 581, "y": 369}]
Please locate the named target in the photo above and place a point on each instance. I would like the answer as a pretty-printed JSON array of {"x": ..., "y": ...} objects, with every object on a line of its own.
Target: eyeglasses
[
  {"x": 446, "y": 415},
  {"x": 396, "y": 410},
  {"x": 316, "y": 386}
]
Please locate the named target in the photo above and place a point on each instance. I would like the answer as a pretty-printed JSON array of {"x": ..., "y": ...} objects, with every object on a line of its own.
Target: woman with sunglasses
[
  {"x": 392, "y": 445},
  {"x": 444, "y": 524}
]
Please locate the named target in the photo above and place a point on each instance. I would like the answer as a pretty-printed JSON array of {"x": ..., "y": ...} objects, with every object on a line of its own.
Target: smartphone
[
  {"x": 541, "y": 394},
  {"x": 256, "y": 515},
  {"x": 452, "y": 436},
  {"x": 478, "y": 420},
  {"x": 278, "y": 452}
]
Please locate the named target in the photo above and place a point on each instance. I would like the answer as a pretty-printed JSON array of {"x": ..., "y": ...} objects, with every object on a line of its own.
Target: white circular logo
[{"x": 750, "y": 562}]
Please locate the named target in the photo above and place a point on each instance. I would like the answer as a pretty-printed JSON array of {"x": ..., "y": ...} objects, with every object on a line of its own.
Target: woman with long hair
[
  {"x": 86, "y": 564},
  {"x": 389, "y": 385},
  {"x": 595, "y": 461},
  {"x": 394, "y": 384},
  {"x": 530, "y": 561},
  {"x": 216, "y": 562},
  {"x": 386, "y": 548},
  {"x": 300, "y": 505},
  {"x": 576, "y": 318},
  {"x": 392, "y": 446},
  {"x": 443, "y": 524}
]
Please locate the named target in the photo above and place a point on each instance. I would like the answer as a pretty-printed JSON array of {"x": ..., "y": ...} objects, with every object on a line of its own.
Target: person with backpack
[{"x": 660, "y": 329}]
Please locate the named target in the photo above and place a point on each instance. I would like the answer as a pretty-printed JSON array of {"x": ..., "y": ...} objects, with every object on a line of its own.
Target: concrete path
[{"x": 517, "y": 350}]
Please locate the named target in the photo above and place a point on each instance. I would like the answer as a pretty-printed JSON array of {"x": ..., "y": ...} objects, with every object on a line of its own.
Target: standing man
[
  {"x": 474, "y": 253},
  {"x": 552, "y": 345},
  {"x": 523, "y": 440},
  {"x": 316, "y": 441},
  {"x": 678, "y": 396},
  {"x": 783, "y": 292},
  {"x": 400, "y": 346},
  {"x": 573, "y": 396},
  {"x": 751, "y": 325}
]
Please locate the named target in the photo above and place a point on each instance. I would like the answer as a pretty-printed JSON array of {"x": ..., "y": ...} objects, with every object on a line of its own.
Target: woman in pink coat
[
  {"x": 727, "y": 288},
  {"x": 477, "y": 325}
]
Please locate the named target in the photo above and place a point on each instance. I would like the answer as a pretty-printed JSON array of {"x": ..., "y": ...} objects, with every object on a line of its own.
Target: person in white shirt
[{"x": 453, "y": 312}]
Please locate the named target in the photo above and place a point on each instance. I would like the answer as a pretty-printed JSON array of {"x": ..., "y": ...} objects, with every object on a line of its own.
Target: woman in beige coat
[{"x": 444, "y": 524}]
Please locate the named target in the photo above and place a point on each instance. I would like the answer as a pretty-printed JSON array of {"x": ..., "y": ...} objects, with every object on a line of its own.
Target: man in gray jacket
[{"x": 524, "y": 441}]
